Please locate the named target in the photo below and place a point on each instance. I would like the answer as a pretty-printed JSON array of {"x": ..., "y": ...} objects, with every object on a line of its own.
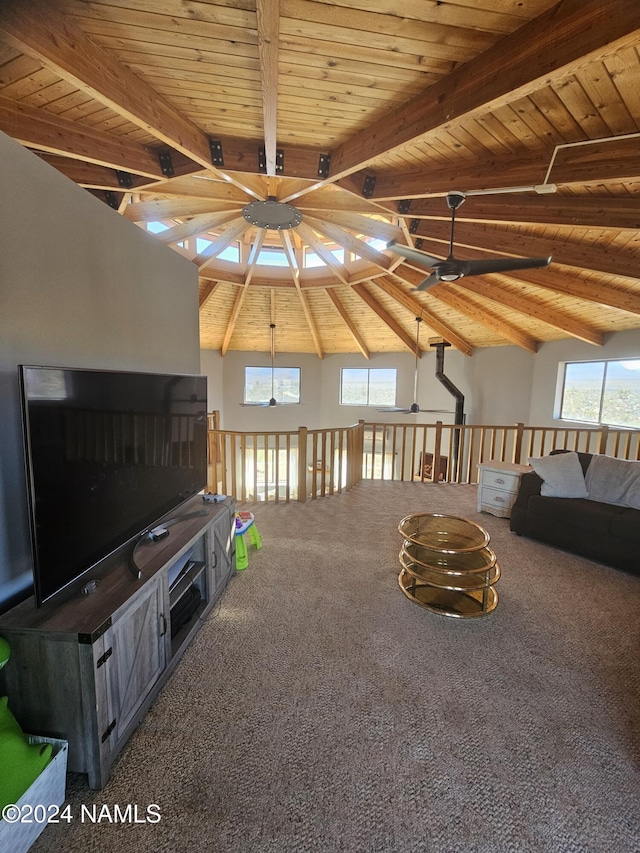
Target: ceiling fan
[
  {"x": 272, "y": 400},
  {"x": 414, "y": 408},
  {"x": 452, "y": 269}
]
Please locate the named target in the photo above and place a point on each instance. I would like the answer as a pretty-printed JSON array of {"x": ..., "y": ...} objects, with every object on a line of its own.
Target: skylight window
[
  {"x": 156, "y": 227},
  {"x": 313, "y": 260},
  {"x": 272, "y": 258},
  {"x": 231, "y": 253}
]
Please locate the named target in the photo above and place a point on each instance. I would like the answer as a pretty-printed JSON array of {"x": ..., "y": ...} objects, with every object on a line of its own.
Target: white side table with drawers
[{"x": 498, "y": 486}]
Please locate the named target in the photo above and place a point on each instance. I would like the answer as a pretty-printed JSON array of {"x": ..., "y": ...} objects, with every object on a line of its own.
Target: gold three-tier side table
[{"x": 447, "y": 565}]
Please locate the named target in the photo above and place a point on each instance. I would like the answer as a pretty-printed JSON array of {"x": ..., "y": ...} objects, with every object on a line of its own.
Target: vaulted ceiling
[{"x": 361, "y": 116}]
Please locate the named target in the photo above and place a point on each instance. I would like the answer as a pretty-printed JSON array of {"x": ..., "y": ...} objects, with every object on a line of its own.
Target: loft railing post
[
  {"x": 437, "y": 442},
  {"x": 604, "y": 438},
  {"x": 517, "y": 445},
  {"x": 302, "y": 464}
]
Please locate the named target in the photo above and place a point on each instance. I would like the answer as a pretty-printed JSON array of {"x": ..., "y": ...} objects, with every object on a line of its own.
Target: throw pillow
[{"x": 562, "y": 476}]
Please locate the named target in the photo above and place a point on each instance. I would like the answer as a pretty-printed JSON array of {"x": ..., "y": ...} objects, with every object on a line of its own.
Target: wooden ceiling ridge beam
[
  {"x": 53, "y": 134},
  {"x": 370, "y": 300},
  {"x": 559, "y": 40},
  {"x": 268, "y": 19},
  {"x": 414, "y": 306},
  {"x": 342, "y": 311}
]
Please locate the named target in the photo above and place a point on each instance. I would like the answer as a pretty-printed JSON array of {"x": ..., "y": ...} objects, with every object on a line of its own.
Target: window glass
[
  {"x": 621, "y": 397},
  {"x": 273, "y": 258},
  {"x": 313, "y": 260},
  {"x": 605, "y": 392},
  {"x": 362, "y": 386},
  {"x": 258, "y": 381}
]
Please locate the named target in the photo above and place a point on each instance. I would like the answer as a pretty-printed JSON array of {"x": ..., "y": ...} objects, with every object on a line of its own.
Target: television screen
[{"x": 108, "y": 454}]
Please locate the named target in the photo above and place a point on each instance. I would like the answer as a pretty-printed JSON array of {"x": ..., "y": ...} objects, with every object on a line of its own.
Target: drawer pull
[
  {"x": 499, "y": 480},
  {"x": 498, "y": 499}
]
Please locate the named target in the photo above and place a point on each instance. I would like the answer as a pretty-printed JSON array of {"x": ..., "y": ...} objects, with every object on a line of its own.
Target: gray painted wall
[
  {"x": 80, "y": 286},
  {"x": 502, "y": 385}
]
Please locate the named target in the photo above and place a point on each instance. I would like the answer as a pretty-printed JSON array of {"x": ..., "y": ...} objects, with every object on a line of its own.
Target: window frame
[
  {"x": 276, "y": 370},
  {"x": 369, "y": 370},
  {"x": 602, "y": 394}
]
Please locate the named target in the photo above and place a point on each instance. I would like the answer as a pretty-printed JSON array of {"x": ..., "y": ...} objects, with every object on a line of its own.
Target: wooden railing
[{"x": 306, "y": 464}]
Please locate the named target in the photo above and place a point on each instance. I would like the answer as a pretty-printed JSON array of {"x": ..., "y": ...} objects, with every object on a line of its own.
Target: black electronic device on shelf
[{"x": 108, "y": 454}]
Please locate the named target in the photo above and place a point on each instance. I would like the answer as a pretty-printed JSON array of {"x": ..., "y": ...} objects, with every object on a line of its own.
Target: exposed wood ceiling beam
[
  {"x": 254, "y": 253},
  {"x": 324, "y": 253},
  {"x": 363, "y": 225},
  {"x": 43, "y": 32},
  {"x": 519, "y": 64},
  {"x": 289, "y": 248},
  {"x": 595, "y": 255},
  {"x": 91, "y": 175},
  {"x": 233, "y": 319},
  {"x": 198, "y": 186},
  {"x": 268, "y": 16},
  {"x": 465, "y": 306},
  {"x": 234, "y": 230},
  {"x": 583, "y": 211},
  {"x": 386, "y": 318},
  {"x": 569, "y": 284},
  {"x": 481, "y": 314},
  {"x": 197, "y": 225},
  {"x": 173, "y": 208},
  {"x": 342, "y": 311},
  {"x": 413, "y": 305},
  {"x": 350, "y": 243},
  {"x": 241, "y": 156},
  {"x": 612, "y": 160},
  {"x": 531, "y": 308},
  {"x": 207, "y": 292},
  {"x": 56, "y": 135}
]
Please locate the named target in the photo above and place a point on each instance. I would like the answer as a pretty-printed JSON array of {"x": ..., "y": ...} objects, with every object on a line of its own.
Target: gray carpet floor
[{"x": 319, "y": 709}]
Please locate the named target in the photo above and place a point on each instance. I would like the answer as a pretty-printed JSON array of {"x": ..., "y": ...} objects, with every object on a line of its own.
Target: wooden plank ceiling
[{"x": 362, "y": 116}]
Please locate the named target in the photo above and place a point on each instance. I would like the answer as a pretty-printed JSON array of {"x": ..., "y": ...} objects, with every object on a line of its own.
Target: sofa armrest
[{"x": 530, "y": 484}]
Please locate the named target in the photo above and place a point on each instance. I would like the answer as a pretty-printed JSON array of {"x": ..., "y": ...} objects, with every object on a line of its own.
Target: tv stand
[{"x": 86, "y": 668}]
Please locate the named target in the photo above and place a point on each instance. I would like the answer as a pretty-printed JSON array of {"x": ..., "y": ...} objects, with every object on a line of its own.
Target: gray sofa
[{"x": 601, "y": 531}]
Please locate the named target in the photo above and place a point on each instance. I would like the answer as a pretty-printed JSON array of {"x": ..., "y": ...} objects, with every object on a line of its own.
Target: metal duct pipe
[{"x": 455, "y": 392}]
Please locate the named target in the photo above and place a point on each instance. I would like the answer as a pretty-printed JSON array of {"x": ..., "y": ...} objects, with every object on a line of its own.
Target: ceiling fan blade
[
  {"x": 415, "y": 255},
  {"x": 501, "y": 265},
  {"x": 428, "y": 282},
  {"x": 397, "y": 409}
]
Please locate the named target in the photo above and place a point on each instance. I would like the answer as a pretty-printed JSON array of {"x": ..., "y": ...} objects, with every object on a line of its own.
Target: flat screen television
[{"x": 108, "y": 454}]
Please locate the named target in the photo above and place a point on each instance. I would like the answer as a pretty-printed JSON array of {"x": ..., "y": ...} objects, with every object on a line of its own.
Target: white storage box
[{"x": 49, "y": 789}]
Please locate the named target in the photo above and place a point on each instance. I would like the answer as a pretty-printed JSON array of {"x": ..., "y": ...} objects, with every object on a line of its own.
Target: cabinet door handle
[
  {"x": 164, "y": 625},
  {"x": 499, "y": 480}
]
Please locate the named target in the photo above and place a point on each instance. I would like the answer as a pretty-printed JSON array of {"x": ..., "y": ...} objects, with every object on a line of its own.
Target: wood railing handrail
[{"x": 307, "y": 463}]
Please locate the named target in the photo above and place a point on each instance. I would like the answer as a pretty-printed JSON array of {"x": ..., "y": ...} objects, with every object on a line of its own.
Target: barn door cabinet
[{"x": 86, "y": 667}]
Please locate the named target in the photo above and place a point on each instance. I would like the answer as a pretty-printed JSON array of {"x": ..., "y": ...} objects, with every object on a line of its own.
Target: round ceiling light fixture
[{"x": 272, "y": 214}]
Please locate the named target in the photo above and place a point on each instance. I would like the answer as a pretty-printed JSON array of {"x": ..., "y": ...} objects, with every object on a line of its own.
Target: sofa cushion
[
  {"x": 562, "y": 475},
  {"x": 595, "y": 516},
  {"x": 626, "y": 525},
  {"x": 614, "y": 481}
]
